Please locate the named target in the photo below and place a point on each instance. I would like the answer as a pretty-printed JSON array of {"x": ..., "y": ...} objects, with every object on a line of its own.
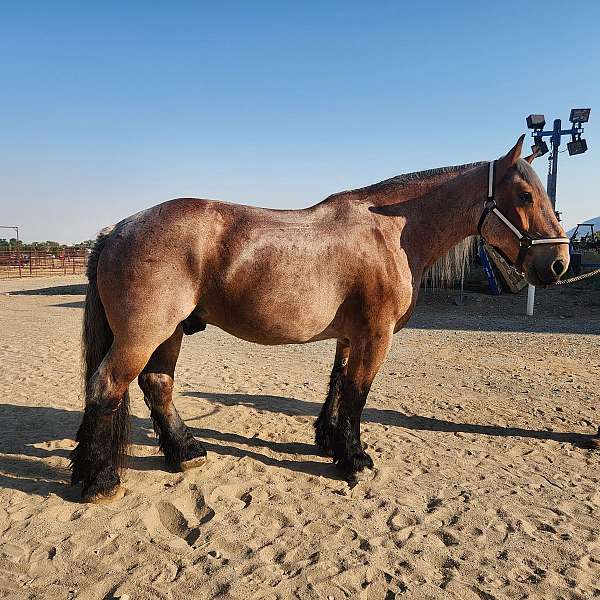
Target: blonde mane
[{"x": 452, "y": 266}]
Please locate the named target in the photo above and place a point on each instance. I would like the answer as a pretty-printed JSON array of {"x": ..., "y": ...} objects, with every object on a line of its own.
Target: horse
[{"x": 348, "y": 268}]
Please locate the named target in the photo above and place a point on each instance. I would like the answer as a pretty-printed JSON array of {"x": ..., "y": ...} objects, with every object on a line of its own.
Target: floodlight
[
  {"x": 540, "y": 147},
  {"x": 536, "y": 121},
  {"x": 580, "y": 115},
  {"x": 577, "y": 147}
]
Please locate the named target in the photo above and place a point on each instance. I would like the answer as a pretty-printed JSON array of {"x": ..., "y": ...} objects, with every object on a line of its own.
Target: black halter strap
[{"x": 526, "y": 240}]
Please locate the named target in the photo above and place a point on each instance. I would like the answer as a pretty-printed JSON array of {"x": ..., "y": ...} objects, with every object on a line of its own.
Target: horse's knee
[
  {"x": 157, "y": 387},
  {"x": 180, "y": 448},
  {"x": 103, "y": 396}
]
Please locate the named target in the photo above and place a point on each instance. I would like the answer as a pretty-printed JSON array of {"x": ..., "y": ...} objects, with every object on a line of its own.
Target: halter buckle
[{"x": 526, "y": 241}]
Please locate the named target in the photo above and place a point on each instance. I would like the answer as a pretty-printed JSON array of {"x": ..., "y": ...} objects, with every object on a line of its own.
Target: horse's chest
[{"x": 404, "y": 302}]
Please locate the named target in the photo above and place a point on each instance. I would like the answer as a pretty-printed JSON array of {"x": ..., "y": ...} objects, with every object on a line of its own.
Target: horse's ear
[
  {"x": 514, "y": 153},
  {"x": 532, "y": 156}
]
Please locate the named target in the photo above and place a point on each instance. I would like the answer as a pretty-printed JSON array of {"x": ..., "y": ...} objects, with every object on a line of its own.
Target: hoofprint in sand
[{"x": 480, "y": 489}]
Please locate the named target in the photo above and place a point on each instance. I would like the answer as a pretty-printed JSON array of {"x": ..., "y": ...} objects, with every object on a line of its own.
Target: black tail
[{"x": 97, "y": 338}]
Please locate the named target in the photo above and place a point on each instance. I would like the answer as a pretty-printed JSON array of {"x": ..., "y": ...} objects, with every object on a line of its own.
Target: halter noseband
[{"x": 526, "y": 240}]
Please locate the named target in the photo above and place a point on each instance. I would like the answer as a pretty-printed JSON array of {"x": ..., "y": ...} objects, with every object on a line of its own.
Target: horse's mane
[
  {"x": 408, "y": 178},
  {"x": 452, "y": 266}
]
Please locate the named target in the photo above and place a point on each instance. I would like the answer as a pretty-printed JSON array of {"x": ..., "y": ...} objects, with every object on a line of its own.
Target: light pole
[{"x": 577, "y": 145}]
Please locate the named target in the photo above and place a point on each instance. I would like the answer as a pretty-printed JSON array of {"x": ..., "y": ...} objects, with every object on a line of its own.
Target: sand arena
[{"x": 480, "y": 488}]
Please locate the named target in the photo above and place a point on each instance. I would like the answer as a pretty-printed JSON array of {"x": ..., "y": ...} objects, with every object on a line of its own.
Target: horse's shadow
[{"x": 34, "y": 434}]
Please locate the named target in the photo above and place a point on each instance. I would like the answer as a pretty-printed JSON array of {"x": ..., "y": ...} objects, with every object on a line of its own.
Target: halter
[{"x": 526, "y": 240}]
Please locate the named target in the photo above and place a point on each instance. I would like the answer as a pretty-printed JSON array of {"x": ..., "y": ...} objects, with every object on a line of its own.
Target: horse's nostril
[{"x": 558, "y": 267}]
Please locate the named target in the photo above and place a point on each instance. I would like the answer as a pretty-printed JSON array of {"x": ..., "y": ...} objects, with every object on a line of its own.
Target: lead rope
[{"x": 578, "y": 278}]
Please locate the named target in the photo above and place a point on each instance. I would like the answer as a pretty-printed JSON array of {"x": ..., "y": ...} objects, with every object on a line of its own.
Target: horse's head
[{"x": 520, "y": 222}]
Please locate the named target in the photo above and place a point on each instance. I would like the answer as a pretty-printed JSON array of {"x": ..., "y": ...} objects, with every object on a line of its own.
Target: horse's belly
[{"x": 276, "y": 322}]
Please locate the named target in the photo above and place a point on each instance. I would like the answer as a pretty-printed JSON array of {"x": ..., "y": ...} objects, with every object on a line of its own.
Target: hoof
[
  {"x": 115, "y": 494},
  {"x": 193, "y": 463},
  {"x": 351, "y": 465},
  {"x": 185, "y": 455}
]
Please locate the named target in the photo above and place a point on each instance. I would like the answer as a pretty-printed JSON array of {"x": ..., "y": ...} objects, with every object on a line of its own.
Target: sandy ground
[{"x": 481, "y": 488}]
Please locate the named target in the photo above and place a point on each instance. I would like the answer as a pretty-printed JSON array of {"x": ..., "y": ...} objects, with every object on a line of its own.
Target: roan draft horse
[{"x": 348, "y": 268}]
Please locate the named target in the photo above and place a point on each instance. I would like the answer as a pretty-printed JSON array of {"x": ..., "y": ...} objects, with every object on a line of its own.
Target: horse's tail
[
  {"x": 97, "y": 339},
  {"x": 97, "y": 336}
]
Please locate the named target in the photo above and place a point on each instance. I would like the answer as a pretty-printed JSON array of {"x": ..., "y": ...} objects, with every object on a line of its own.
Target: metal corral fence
[{"x": 40, "y": 263}]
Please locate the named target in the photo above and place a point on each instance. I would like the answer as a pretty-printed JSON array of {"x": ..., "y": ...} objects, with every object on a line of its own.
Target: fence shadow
[
  {"x": 75, "y": 304},
  {"x": 394, "y": 418},
  {"x": 76, "y": 289}
]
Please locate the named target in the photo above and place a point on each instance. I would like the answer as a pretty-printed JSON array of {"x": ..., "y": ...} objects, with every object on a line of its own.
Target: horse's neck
[{"x": 446, "y": 216}]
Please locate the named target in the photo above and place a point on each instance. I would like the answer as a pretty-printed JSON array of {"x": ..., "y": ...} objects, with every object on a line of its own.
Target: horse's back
[{"x": 230, "y": 264}]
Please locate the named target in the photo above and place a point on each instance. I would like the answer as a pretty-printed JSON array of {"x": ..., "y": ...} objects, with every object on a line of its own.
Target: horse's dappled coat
[{"x": 348, "y": 268}]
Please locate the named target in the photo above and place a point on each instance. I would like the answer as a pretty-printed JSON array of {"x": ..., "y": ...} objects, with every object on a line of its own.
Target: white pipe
[{"x": 530, "y": 299}]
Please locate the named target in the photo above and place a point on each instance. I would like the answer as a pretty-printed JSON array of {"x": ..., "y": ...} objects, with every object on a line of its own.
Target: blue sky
[{"x": 109, "y": 108}]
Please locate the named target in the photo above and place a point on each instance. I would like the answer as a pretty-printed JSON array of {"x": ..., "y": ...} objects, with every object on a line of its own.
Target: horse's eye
[{"x": 526, "y": 197}]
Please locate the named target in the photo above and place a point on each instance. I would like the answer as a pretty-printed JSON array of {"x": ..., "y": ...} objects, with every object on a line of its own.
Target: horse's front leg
[
  {"x": 182, "y": 451},
  {"x": 366, "y": 358},
  {"x": 326, "y": 424}
]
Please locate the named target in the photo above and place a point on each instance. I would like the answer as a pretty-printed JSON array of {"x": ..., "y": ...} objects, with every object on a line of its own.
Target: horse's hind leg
[
  {"x": 181, "y": 449},
  {"x": 327, "y": 421},
  {"x": 103, "y": 435}
]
